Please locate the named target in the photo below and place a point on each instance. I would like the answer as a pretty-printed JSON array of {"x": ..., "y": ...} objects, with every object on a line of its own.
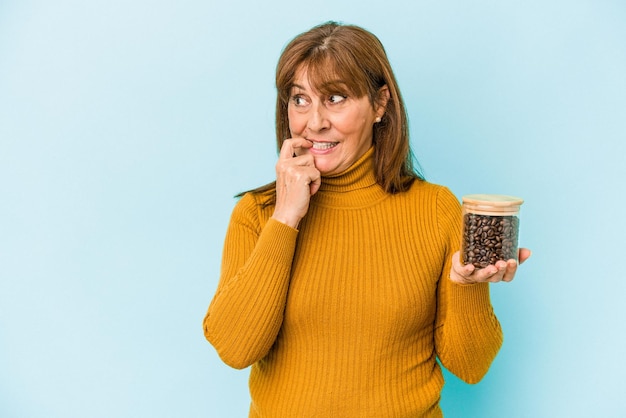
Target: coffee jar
[{"x": 490, "y": 229}]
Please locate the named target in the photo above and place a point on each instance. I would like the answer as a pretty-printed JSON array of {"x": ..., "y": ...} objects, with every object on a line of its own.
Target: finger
[
  {"x": 511, "y": 268},
  {"x": 459, "y": 272},
  {"x": 292, "y": 147},
  {"x": 460, "y": 268},
  {"x": 524, "y": 254},
  {"x": 316, "y": 182},
  {"x": 502, "y": 271},
  {"x": 491, "y": 273},
  {"x": 300, "y": 147},
  {"x": 503, "y": 267},
  {"x": 285, "y": 150}
]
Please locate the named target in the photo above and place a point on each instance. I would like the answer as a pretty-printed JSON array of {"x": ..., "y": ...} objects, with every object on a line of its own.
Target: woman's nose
[{"x": 318, "y": 119}]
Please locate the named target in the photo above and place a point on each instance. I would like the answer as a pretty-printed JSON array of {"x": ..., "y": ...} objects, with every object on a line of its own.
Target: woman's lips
[{"x": 323, "y": 145}]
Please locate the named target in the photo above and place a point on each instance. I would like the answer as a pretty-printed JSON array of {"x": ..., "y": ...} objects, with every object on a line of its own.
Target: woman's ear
[{"x": 382, "y": 100}]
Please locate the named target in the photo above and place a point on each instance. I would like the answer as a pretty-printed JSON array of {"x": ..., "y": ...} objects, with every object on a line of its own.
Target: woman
[{"x": 341, "y": 282}]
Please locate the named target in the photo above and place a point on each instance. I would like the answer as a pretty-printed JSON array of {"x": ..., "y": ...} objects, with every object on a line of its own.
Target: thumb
[{"x": 315, "y": 185}]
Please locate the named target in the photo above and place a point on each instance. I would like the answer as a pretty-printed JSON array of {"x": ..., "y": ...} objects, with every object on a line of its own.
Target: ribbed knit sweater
[{"x": 346, "y": 316}]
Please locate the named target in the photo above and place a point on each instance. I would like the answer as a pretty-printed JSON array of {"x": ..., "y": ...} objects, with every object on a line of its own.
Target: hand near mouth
[
  {"x": 297, "y": 180},
  {"x": 298, "y": 145}
]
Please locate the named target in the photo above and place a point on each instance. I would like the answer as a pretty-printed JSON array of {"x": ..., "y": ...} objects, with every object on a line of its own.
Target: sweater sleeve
[
  {"x": 246, "y": 312},
  {"x": 467, "y": 335}
]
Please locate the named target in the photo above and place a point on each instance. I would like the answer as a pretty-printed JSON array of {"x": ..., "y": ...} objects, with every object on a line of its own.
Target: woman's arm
[
  {"x": 246, "y": 312},
  {"x": 467, "y": 333}
]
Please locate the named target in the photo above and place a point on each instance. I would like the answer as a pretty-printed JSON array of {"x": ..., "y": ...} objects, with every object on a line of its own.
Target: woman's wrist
[{"x": 292, "y": 221}]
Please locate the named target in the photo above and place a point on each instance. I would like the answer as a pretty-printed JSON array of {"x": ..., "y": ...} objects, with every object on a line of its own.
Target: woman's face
[{"x": 339, "y": 127}]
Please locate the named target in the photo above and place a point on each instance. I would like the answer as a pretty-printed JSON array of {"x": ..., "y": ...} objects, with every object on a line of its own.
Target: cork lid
[{"x": 499, "y": 203}]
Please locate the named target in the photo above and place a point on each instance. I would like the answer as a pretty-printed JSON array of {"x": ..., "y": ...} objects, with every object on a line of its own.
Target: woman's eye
[
  {"x": 299, "y": 100},
  {"x": 336, "y": 98}
]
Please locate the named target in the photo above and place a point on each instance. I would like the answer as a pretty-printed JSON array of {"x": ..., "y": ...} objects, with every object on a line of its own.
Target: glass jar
[{"x": 490, "y": 229}]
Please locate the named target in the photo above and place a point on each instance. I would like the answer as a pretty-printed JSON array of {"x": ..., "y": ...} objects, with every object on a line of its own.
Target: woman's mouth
[{"x": 322, "y": 146}]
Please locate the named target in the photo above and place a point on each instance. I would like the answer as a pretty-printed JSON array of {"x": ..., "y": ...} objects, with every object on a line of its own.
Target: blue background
[{"x": 127, "y": 126}]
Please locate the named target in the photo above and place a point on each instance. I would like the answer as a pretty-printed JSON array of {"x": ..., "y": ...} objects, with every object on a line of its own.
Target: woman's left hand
[{"x": 502, "y": 271}]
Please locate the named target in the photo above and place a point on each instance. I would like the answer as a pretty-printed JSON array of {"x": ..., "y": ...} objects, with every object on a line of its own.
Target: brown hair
[{"x": 355, "y": 56}]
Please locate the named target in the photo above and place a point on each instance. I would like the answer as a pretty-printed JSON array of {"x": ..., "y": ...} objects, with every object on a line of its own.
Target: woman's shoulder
[
  {"x": 440, "y": 203},
  {"x": 256, "y": 198},
  {"x": 425, "y": 189},
  {"x": 436, "y": 196},
  {"x": 254, "y": 207}
]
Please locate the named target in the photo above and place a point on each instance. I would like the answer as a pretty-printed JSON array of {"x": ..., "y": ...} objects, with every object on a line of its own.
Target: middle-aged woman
[{"x": 341, "y": 282}]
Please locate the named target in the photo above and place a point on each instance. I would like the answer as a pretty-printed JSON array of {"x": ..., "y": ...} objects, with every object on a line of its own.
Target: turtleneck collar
[{"x": 355, "y": 187}]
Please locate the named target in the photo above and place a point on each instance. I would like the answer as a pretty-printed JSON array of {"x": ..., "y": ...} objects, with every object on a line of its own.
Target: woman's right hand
[{"x": 297, "y": 180}]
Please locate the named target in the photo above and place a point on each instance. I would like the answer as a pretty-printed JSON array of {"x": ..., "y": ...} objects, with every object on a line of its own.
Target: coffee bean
[{"x": 487, "y": 239}]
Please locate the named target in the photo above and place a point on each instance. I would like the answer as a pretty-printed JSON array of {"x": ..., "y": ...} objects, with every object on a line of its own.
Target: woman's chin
[{"x": 322, "y": 164}]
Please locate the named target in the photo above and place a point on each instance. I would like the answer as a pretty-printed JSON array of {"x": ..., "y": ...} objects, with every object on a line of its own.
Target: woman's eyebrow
[{"x": 335, "y": 86}]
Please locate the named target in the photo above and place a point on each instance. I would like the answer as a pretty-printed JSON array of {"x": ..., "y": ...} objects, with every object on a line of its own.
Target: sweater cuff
[
  {"x": 469, "y": 298},
  {"x": 277, "y": 242}
]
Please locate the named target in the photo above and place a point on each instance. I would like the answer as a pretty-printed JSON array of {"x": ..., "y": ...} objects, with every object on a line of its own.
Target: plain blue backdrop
[{"x": 126, "y": 127}]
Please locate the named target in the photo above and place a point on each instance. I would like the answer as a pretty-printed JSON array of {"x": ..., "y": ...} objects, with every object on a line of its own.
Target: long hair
[{"x": 332, "y": 51}]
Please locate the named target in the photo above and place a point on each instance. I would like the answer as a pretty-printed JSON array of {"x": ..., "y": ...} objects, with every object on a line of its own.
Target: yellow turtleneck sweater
[{"x": 346, "y": 316}]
